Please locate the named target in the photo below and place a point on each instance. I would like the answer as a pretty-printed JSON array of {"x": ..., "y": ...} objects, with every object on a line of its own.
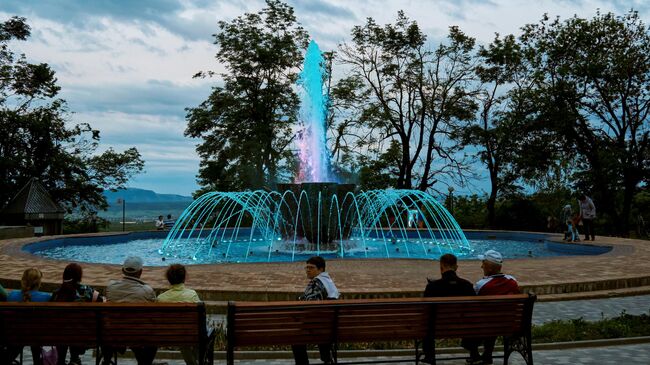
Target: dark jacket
[{"x": 449, "y": 286}]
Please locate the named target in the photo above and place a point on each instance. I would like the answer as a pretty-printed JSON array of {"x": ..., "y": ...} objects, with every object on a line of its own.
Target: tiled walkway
[
  {"x": 615, "y": 355},
  {"x": 592, "y": 309},
  {"x": 625, "y": 266}
]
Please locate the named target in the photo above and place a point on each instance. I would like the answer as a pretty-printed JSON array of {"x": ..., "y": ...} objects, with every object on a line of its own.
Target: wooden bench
[
  {"x": 114, "y": 324},
  {"x": 373, "y": 320}
]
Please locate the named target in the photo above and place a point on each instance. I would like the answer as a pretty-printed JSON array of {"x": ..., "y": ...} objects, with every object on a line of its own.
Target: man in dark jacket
[{"x": 450, "y": 285}]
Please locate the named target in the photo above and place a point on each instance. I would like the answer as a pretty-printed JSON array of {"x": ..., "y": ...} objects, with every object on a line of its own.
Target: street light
[
  {"x": 451, "y": 199},
  {"x": 123, "y": 202}
]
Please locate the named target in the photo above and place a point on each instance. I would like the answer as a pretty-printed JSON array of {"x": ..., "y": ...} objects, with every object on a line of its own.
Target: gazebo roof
[{"x": 33, "y": 199}]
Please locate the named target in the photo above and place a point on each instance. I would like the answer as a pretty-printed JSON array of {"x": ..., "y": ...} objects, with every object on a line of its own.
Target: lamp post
[
  {"x": 123, "y": 202},
  {"x": 451, "y": 199}
]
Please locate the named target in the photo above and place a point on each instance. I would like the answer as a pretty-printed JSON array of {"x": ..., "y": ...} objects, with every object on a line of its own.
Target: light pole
[
  {"x": 451, "y": 199},
  {"x": 123, "y": 202}
]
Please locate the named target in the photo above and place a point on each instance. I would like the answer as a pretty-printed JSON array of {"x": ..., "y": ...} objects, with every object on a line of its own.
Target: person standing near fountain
[
  {"x": 587, "y": 214},
  {"x": 449, "y": 285},
  {"x": 320, "y": 287}
]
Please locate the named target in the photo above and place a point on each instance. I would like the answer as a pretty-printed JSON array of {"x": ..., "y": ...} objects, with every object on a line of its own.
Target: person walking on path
[
  {"x": 320, "y": 287},
  {"x": 449, "y": 285},
  {"x": 587, "y": 214}
]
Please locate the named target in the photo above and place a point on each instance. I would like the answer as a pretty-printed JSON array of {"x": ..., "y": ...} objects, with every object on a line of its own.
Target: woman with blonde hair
[{"x": 29, "y": 285}]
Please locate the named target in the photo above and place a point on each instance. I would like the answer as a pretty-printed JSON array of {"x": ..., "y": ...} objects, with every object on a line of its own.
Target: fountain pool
[{"x": 113, "y": 249}]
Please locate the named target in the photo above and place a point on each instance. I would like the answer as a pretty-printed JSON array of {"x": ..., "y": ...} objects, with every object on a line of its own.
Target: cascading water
[
  {"x": 313, "y": 216},
  {"x": 267, "y": 226}
]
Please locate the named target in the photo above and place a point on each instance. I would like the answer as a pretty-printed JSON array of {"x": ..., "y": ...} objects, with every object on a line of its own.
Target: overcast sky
[{"x": 126, "y": 66}]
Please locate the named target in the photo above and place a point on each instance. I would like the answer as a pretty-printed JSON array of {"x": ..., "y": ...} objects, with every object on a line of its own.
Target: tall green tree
[
  {"x": 495, "y": 132},
  {"x": 246, "y": 123},
  {"x": 592, "y": 82},
  {"x": 413, "y": 97},
  {"x": 36, "y": 140}
]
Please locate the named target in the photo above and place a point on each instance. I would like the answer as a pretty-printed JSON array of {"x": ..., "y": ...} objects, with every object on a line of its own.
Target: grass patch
[{"x": 625, "y": 325}]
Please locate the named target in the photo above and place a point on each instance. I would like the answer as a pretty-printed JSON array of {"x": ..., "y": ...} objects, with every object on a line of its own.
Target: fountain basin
[{"x": 113, "y": 249}]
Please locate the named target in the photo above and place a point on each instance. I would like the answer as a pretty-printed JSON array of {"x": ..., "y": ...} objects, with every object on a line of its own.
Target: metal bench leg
[{"x": 522, "y": 345}]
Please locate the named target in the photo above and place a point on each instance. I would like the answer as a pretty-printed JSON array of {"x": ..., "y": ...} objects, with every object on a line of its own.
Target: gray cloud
[
  {"x": 87, "y": 15},
  {"x": 321, "y": 8},
  {"x": 156, "y": 97}
]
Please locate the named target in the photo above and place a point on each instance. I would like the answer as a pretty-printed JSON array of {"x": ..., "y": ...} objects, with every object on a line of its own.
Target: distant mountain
[{"x": 135, "y": 195}]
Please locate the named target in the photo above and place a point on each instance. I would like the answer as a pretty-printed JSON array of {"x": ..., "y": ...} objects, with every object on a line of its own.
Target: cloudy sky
[{"x": 126, "y": 66}]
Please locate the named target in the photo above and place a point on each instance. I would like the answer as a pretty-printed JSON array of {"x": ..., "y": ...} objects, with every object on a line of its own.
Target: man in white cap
[
  {"x": 130, "y": 289},
  {"x": 493, "y": 283}
]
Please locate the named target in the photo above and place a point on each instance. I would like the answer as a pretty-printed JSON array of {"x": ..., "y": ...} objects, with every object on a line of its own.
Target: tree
[
  {"x": 592, "y": 82},
  {"x": 35, "y": 141},
  {"x": 246, "y": 123},
  {"x": 493, "y": 132},
  {"x": 412, "y": 96}
]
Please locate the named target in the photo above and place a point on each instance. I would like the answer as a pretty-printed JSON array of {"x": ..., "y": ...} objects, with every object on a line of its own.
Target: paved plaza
[
  {"x": 624, "y": 267},
  {"x": 614, "y": 355}
]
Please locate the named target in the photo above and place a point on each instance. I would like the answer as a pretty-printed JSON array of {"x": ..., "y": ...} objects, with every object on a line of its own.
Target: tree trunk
[{"x": 491, "y": 202}]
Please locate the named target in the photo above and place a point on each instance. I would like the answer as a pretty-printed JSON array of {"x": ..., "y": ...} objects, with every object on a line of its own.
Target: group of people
[
  {"x": 585, "y": 216},
  {"x": 494, "y": 282},
  {"x": 130, "y": 288},
  {"x": 162, "y": 224}
]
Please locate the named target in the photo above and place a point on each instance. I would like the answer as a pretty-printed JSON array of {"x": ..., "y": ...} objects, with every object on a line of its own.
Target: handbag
[{"x": 49, "y": 356}]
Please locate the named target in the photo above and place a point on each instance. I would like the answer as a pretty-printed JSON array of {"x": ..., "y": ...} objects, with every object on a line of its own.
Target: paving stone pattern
[
  {"x": 616, "y": 355},
  {"x": 592, "y": 309}
]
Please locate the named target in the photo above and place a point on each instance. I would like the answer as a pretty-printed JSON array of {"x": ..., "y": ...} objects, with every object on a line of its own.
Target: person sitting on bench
[
  {"x": 450, "y": 285},
  {"x": 130, "y": 289},
  {"x": 320, "y": 287},
  {"x": 493, "y": 283}
]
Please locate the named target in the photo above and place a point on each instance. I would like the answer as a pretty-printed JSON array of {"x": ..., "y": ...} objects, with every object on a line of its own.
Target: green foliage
[
  {"x": 246, "y": 123},
  {"x": 88, "y": 224},
  {"x": 470, "y": 211},
  {"x": 591, "y": 81},
  {"x": 36, "y": 140},
  {"x": 403, "y": 94},
  {"x": 625, "y": 325},
  {"x": 380, "y": 174}
]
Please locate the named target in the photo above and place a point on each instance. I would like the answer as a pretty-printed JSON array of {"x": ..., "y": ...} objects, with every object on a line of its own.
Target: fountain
[{"x": 314, "y": 215}]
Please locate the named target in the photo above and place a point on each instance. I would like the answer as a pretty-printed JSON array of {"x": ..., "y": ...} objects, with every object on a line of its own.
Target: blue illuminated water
[{"x": 114, "y": 249}]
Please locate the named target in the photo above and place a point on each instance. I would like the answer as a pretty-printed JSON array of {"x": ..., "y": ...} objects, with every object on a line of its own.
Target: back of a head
[
  {"x": 317, "y": 261},
  {"x": 71, "y": 278},
  {"x": 73, "y": 272},
  {"x": 176, "y": 274},
  {"x": 449, "y": 261},
  {"x": 31, "y": 280}
]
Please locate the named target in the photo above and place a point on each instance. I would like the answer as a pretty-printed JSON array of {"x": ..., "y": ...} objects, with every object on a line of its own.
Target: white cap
[
  {"x": 132, "y": 264},
  {"x": 492, "y": 256}
]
